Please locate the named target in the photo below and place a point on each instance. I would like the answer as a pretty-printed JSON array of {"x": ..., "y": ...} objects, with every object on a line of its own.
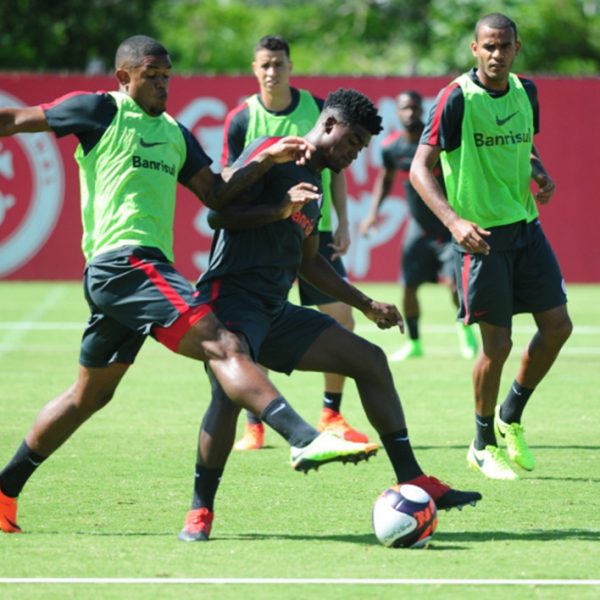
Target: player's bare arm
[
  {"x": 22, "y": 120},
  {"x": 467, "y": 234},
  {"x": 318, "y": 272},
  {"x": 239, "y": 216},
  {"x": 546, "y": 184},
  {"x": 216, "y": 192},
  {"x": 381, "y": 189}
]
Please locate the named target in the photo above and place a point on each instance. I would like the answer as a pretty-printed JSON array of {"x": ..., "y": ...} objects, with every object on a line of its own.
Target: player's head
[
  {"x": 495, "y": 48},
  {"x": 272, "y": 65},
  {"x": 409, "y": 108},
  {"x": 344, "y": 128},
  {"x": 143, "y": 68}
]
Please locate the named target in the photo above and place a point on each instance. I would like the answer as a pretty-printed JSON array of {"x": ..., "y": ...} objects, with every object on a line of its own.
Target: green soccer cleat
[
  {"x": 412, "y": 349},
  {"x": 467, "y": 340},
  {"x": 491, "y": 461},
  {"x": 516, "y": 446},
  {"x": 329, "y": 447}
]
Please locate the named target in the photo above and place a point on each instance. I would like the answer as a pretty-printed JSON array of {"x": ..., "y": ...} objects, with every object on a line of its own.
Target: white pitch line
[
  {"x": 14, "y": 335},
  {"x": 291, "y": 581}
]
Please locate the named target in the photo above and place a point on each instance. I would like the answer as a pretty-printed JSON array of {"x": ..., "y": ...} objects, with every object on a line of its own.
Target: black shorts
[
  {"x": 134, "y": 292},
  {"x": 310, "y": 295},
  {"x": 426, "y": 258},
  {"x": 495, "y": 287},
  {"x": 278, "y": 336}
]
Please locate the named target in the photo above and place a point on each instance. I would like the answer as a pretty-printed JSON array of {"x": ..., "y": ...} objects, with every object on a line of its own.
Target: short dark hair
[
  {"x": 273, "y": 43},
  {"x": 132, "y": 51},
  {"x": 412, "y": 95},
  {"x": 496, "y": 21},
  {"x": 354, "y": 108}
]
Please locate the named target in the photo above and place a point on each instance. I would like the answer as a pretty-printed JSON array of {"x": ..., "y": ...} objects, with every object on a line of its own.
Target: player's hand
[
  {"x": 291, "y": 148},
  {"x": 384, "y": 315},
  {"x": 297, "y": 196},
  {"x": 470, "y": 236},
  {"x": 366, "y": 225},
  {"x": 547, "y": 187},
  {"x": 341, "y": 241}
]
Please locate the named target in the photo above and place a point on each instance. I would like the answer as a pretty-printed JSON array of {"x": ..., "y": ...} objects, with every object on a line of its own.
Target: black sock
[
  {"x": 412, "y": 327},
  {"x": 513, "y": 406},
  {"x": 332, "y": 400},
  {"x": 281, "y": 417},
  {"x": 252, "y": 418},
  {"x": 484, "y": 432},
  {"x": 206, "y": 484},
  {"x": 398, "y": 448},
  {"x": 16, "y": 473}
]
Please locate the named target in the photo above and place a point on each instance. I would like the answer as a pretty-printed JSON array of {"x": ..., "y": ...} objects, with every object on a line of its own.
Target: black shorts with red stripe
[
  {"x": 134, "y": 292},
  {"x": 520, "y": 275},
  {"x": 278, "y": 335}
]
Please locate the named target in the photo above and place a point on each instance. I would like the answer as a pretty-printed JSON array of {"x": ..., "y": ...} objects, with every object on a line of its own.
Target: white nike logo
[
  {"x": 279, "y": 408},
  {"x": 401, "y": 439},
  {"x": 514, "y": 389},
  {"x": 35, "y": 464},
  {"x": 480, "y": 423}
]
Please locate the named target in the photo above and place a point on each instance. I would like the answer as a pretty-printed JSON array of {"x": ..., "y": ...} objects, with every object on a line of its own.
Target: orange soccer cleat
[{"x": 333, "y": 421}]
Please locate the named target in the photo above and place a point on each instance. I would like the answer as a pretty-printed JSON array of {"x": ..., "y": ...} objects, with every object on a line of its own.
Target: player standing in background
[
  {"x": 481, "y": 128},
  {"x": 427, "y": 254},
  {"x": 255, "y": 258},
  {"x": 131, "y": 155},
  {"x": 279, "y": 109}
]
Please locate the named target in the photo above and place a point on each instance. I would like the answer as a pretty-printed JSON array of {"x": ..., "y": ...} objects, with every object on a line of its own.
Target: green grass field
[{"x": 110, "y": 503}]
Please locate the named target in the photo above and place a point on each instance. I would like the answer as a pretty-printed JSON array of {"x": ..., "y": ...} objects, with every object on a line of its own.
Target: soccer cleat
[
  {"x": 198, "y": 523},
  {"x": 253, "y": 438},
  {"x": 332, "y": 420},
  {"x": 329, "y": 447},
  {"x": 516, "y": 446},
  {"x": 443, "y": 495},
  {"x": 491, "y": 461},
  {"x": 467, "y": 340},
  {"x": 8, "y": 514},
  {"x": 412, "y": 349}
]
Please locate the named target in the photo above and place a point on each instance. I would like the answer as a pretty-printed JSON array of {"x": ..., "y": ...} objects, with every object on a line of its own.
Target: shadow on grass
[{"x": 535, "y": 535}]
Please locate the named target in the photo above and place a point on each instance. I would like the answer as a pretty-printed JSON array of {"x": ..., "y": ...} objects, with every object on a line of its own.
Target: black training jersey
[
  {"x": 444, "y": 125},
  {"x": 88, "y": 115},
  {"x": 264, "y": 261},
  {"x": 236, "y": 126},
  {"x": 397, "y": 154}
]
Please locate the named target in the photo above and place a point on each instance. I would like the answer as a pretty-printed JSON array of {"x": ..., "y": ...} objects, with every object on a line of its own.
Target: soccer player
[
  {"x": 481, "y": 128},
  {"x": 427, "y": 251},
  {"x": 256, "y": 257},
  {"x": 279, "y": 109},
  {"x": 131, "y": 155}
]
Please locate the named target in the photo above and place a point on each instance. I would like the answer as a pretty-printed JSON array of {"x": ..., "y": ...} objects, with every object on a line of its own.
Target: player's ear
[
  {"x": 122, "y": 76},
  {"x": 517, "y": 47},
  {"x": 329, "y": 123}
]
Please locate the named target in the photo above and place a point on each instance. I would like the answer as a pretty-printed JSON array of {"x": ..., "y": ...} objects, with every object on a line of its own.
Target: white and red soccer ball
[{"x": 404, "y": 516}]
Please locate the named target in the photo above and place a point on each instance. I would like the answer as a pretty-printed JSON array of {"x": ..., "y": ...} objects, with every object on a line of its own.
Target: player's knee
[{"x": 498, "y": 350}]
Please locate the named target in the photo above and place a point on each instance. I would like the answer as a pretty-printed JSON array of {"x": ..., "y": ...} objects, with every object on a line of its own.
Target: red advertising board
[{"x": 40, "y": 228}]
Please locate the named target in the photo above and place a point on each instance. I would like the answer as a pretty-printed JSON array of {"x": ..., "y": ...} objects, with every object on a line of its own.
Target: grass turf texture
[{"x": 111, "y": 501}]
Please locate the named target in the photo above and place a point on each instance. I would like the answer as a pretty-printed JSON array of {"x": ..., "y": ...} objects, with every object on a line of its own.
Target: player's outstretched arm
[
  {"x": 22, "y": 120},
  {"x": 216, "y": 192},
  {"x": 318, "y": 272},
  {"x": 239, "y": 216}
]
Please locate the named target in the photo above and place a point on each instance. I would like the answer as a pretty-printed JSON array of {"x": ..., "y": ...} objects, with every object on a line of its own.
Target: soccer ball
[{"x": 404, "y": 516}]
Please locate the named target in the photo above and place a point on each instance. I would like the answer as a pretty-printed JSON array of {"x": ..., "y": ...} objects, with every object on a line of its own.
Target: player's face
[
  {"x": 495, "y": 51},
  {"x": 409, "y": 112},
  {"x": 343, "y": 144},
  {"x": 149, "y": 84},
  {"x": 272, "y": 69}
]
